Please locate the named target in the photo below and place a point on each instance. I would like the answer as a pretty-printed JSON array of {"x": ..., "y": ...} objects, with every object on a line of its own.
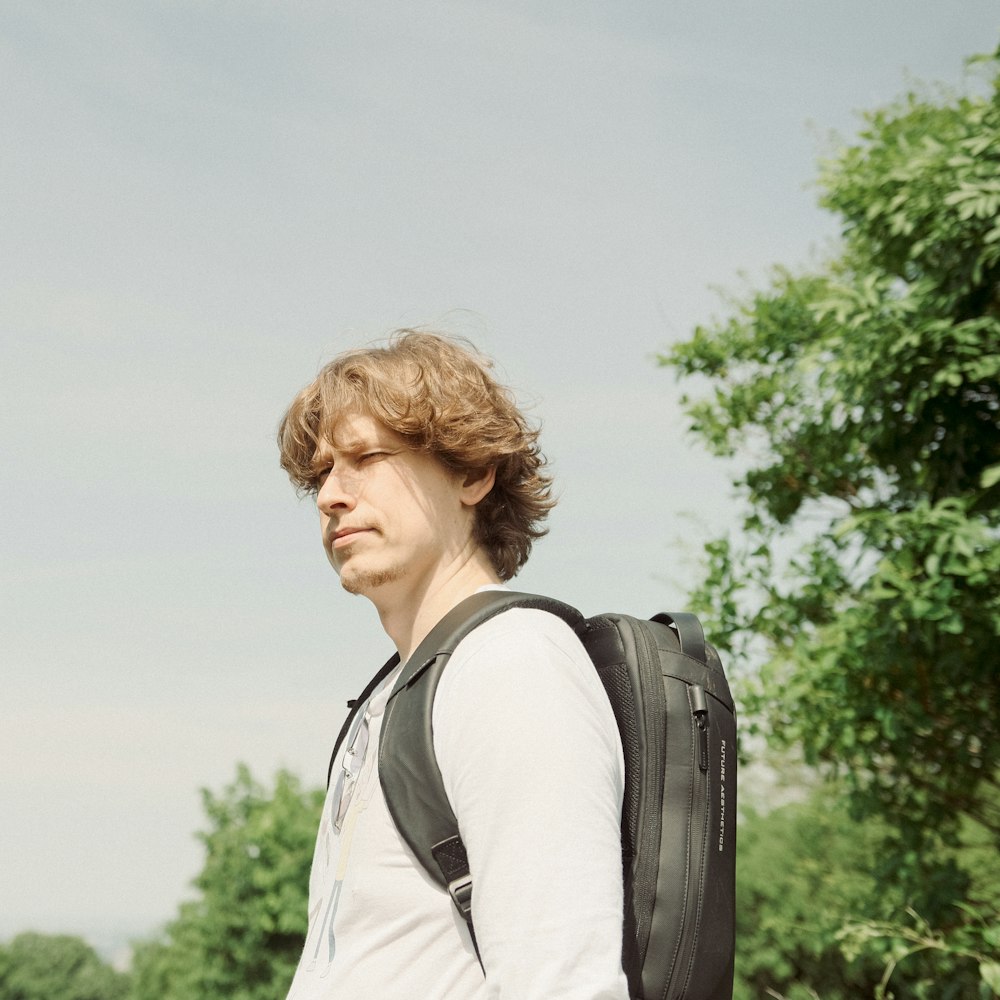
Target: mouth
[{"x": 347, "y": 535}]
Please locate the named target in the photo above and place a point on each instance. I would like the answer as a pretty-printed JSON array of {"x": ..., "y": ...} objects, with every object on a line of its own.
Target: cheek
[{"x": 323, "y": 522}]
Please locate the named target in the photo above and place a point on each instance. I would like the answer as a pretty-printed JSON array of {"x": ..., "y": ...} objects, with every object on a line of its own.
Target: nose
[{"x": 338, "y": 492}]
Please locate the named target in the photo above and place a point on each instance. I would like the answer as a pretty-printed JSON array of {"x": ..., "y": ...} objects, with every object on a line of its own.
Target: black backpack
[{"x": 678, "y": 728}]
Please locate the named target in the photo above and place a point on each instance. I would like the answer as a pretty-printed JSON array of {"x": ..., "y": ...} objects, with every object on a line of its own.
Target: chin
[{"x": 362, "y": 581}]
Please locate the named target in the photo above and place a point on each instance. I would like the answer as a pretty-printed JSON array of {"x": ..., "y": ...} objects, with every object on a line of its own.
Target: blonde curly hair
[{"x": 438, "y": 394}]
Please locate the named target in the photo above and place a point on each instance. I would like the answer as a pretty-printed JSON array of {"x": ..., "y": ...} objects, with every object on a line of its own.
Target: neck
[{"x": 408, "y": 618}]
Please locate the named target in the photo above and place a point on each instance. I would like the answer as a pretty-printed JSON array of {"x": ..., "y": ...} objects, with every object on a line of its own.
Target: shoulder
[
  {"x": 525, "y": 631},
  {"x": 521, "y": 664},
  {"x": 518, "y": 690},
  {"x": 518, "y": 654}
]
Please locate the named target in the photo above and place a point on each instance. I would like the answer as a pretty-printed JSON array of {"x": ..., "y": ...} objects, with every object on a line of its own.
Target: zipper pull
[{"x": 699, "y": 709}]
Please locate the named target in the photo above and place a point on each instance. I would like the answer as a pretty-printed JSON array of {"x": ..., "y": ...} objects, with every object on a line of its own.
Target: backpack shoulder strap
[
  {"x": 358, "y": 705},
  {"x": 408, "y": 769}
]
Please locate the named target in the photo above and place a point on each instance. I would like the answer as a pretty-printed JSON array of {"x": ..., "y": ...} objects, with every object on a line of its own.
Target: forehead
[{"x": 353, "y": 431}]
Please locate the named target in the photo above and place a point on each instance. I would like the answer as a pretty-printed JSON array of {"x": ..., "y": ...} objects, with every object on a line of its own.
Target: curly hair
[{"x": 438, "y": 394}]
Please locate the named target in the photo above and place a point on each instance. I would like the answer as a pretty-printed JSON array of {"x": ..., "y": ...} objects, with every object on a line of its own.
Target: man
[{"x": 431, "y": 486}]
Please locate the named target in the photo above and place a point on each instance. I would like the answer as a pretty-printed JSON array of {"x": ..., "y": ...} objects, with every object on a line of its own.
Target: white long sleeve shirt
[{"x": 532, "y": 764}]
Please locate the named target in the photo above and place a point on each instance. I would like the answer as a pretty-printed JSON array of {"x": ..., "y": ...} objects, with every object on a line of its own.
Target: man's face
[{"x": 389, "y": 515}]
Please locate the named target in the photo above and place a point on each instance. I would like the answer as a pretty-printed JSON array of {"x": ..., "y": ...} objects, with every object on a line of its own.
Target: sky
[{"x": 202, "y": 202}]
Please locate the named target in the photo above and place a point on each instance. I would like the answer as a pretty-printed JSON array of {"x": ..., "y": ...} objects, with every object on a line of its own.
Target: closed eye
[
  {"x": 319, "y": 474},
  {"x": 358, "y": 459}
]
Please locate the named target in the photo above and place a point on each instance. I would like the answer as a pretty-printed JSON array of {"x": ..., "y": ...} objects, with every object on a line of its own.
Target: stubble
[{"x": 363, "y": 581}]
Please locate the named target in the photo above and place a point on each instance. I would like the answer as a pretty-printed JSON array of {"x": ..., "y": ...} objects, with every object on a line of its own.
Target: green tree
[
  {"x": 815, "y": 918},
  {"x": 800, "y": 869},
  {"x": 57, "y": 967},
  {"x": 240, "y": 939},
  {"x": 863, "y": 401}
]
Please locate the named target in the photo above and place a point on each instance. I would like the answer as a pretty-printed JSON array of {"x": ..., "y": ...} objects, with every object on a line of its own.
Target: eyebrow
[{"x": 348, "y": 446}]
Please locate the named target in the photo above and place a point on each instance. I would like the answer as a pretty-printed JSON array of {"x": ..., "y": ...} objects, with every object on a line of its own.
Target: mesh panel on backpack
[{"x": 616, "y": 682}]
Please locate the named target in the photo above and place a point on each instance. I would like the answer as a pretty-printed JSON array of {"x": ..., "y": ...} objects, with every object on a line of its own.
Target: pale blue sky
[{"x": 204, "y": 201}]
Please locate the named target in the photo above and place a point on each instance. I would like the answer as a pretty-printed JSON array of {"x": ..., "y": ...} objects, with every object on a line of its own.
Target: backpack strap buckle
[
  {"x": 460, "y": 890},
  {"x": 454, "y": 864}
]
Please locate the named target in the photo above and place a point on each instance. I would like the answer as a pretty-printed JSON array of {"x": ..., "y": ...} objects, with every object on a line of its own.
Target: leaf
[
  {"x": 989, "y": 972},
  {"x": 990, "y": 476}
]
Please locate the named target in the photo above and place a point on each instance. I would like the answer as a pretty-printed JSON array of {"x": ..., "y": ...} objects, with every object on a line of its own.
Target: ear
[{"x": 476, "y": 484}]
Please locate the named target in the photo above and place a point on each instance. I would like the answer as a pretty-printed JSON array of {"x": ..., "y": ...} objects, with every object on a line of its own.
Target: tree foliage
[
  {"x": 863, "y": 400},
  {"x": 242, "y": 936},
  {"x": 815, "y": 918},
  {"x": 800, "y": 868},
  {"x": 57, "y": 967}
]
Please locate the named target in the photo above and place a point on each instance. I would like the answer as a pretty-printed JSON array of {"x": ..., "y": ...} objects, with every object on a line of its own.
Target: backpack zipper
[
  {"x": 648, "y": 845},
  {"x": 699, "y": 709},
  {"x": 698, "y": 824}
]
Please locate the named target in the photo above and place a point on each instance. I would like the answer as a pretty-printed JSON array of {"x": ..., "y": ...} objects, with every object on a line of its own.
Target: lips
[{"x": 345, "y": 535}]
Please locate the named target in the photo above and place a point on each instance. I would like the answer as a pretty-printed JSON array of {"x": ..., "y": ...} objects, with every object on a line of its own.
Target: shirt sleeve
[{"x": 532, "y": 764}]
